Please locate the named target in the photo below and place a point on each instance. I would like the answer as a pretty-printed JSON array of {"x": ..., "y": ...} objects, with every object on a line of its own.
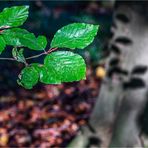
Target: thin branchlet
[
  {"x": 43, "y": 53},
  {"x": 9, "y": 59},
  {"x": 32, "y": 57}
]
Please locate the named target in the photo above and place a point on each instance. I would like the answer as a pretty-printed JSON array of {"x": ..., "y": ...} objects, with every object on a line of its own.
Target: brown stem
[
  {"x": 35, "y": 56},
  {"x": 51, "y": 50},
  {"x": 44, "y": 53},
  {"x": 32, "y": 57}
]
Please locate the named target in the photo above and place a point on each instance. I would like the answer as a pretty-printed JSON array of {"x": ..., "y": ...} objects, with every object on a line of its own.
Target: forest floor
[{"x": 48, "y": 116}]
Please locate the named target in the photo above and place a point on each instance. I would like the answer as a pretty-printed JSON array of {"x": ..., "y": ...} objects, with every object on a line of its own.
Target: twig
[
  {"x": 35, "y": 56},
  {"x": 44, "y": 53},
  {"x": 9, "y": 59},
  {"x": 32, "y": 57}
]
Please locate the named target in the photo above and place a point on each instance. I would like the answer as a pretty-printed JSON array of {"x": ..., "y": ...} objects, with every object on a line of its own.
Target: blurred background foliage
[{"x": 46, "y": 17}]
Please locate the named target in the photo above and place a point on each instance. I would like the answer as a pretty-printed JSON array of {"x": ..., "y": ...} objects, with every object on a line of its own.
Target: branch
[
  {"x": 43, "y": 53},
  {"x": 32, "y": 57},
  {"x": 9, "y": 59},
  {"x": 35, "y": 56}
]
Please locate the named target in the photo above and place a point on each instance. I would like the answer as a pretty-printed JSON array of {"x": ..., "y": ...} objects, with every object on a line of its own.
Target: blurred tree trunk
[{"x": 123, "y": 94}]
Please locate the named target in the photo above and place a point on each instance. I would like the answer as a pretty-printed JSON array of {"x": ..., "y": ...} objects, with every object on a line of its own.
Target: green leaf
[
  {"x": 13, "y": 16},
  {"x": 18, "y": 55},
  {"x": 21, "y": 37},
  {"x": 28, "y": 77},
  {"x": 46, "y": 76},
  {"x": 76, "y": 35},
  {"x": 42, "y": 42},
  {"x": 2, "y": 44},
  {"x": 63, "y": 66}
]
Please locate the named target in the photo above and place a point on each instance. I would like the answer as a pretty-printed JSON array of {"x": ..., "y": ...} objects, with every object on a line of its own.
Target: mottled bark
[{"x": 123, "y": 93}]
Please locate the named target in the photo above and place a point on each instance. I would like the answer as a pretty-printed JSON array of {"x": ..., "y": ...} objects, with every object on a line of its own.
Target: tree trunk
[{"x": 123, "y": 93}]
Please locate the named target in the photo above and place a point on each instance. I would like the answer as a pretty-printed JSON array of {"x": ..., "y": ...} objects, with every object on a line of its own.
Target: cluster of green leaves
[{"x": 59, "y": 66}]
